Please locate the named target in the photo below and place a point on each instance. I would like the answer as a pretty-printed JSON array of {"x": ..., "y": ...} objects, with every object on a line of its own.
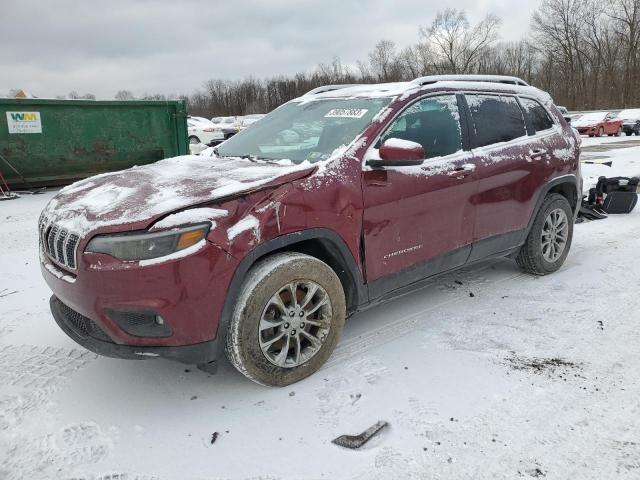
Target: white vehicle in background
[
  {"x": 201, "y": 130},
  {"x": 250, "y": 120},
  {"x": 229, "y": 125},
  {"x": 630, "y": 121}
]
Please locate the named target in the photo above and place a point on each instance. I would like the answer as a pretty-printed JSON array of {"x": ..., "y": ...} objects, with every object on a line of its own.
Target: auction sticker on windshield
[
  {"x": 346, "y": 113},
  {"x": 24, "y": 122}
]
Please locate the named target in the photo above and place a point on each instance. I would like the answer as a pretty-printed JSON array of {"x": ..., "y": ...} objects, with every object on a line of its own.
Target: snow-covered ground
[{"x": 487, "y": 373}]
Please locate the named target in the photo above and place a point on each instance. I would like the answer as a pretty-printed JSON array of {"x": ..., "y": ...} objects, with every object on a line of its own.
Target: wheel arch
[
  {"x": 567, "y": 186},
  {"x": 321, "y": 243}
]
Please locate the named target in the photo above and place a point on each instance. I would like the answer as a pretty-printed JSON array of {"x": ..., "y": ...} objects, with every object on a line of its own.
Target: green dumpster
[{"x": 53, "y": 142}]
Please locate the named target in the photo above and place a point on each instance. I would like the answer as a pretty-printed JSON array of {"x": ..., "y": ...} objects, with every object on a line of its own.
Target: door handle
[
  {"x": 462, "y": 172},
  {"x": 537, "y": 153}
]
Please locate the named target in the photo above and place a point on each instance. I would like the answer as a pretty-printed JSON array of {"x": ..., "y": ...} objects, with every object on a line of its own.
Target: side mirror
[{"x": 399, "y": 153}]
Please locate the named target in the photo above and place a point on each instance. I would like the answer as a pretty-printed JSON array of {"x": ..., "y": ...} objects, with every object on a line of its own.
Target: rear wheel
[
  {"x": 288, "y": 319},
  {"x": 549, "y": 240}
]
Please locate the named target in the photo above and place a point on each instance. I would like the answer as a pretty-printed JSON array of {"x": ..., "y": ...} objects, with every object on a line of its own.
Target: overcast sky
[{"x": 166, "y": 46}]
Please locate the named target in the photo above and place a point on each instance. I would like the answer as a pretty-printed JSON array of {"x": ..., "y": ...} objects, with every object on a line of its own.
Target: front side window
[
  {"x": 432, "y": 122},
  {"x": 305, "y": 131},
  {"x": 538, "y": 115},
  {"x": 495, "y": 118}
]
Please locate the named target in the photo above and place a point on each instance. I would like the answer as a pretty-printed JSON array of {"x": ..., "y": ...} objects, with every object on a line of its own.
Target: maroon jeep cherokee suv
[{"x": 336, "y": 201}]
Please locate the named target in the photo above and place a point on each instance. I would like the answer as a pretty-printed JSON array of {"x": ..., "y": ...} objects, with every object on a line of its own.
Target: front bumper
[
  {"x": 188, "y": 293},
  {"x": 88, "y": 334}
]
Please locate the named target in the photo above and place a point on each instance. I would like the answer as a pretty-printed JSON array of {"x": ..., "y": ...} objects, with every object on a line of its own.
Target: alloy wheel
[
  {"x": 555, "y": 233},
  {"x": 295, "y": 323}
]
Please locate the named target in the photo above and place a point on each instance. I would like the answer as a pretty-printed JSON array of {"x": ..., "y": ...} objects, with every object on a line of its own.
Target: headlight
[{"x": 143, "y": 246}]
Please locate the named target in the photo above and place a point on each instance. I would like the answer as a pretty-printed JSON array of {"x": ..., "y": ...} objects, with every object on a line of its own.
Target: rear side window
[
  {"x": 495, "y": 118},
  {"x": 432, "y": 122},
  {"x": 538, "y": 115}
]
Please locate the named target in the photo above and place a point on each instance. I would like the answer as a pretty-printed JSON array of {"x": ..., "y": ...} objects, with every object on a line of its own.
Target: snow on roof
[{"x": 405, "y": 89}]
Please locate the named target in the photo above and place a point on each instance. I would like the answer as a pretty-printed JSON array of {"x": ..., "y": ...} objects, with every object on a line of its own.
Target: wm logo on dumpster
[
  {"x": 24, "y": 122},
  {"x": 24, "y": 116}
]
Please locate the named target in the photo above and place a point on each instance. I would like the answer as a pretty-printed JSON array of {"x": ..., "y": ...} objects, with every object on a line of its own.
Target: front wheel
[
  {"x": 549, "y": 240},
  {"x": 287, "y": 321},
  {"x": 194, "y": 140}
]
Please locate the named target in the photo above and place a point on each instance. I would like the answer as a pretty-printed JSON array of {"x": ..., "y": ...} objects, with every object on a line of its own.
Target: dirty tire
[
  {"x": 263, "y": 281},
  {"x": 530, "y": 258}
]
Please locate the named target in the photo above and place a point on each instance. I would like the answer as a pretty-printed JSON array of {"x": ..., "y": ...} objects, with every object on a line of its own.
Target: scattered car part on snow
[
  {"x": 356, "y": 441},
  {"x": 615, "y": 195}
]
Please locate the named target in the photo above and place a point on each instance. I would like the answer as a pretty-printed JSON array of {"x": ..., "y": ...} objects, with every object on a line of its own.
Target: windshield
[{"x": 301, "y": 131}]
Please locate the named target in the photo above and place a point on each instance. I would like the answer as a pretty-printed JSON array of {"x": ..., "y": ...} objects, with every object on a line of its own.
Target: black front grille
[
  {"x": 58, "y": 243},
  {"x": 83, "y": 325}
]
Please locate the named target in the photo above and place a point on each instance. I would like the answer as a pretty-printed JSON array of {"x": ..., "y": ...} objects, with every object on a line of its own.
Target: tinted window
[
  {"x": 538, "y": 115},
  {"x": 433, "y": 122},
  {"x": 495, "y": 118}
]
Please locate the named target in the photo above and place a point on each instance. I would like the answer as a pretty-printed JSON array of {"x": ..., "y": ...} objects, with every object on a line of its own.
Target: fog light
[{"x": 141, "y": 323}]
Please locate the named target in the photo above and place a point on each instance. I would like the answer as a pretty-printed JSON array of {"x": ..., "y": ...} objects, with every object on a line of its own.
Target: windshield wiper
[{"x": 256, "y": 159}]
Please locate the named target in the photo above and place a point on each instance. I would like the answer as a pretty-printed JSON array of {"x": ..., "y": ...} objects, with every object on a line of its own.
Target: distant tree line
[{"x": 586, "y": 53}]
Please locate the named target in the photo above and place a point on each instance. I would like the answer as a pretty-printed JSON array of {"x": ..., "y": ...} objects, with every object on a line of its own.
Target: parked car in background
[
  {"x": 565, "y": 113},
  {"x": 630, "y": 121},
  {"x": 598, "y": 124},
  {"x": 201, "y": 130},
  {"x": 229, "y": 126},
  {"x": 248, "y": 120},
  {"x": 263, "y": 251}
]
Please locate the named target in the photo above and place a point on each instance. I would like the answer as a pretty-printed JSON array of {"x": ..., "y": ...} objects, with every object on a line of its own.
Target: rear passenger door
[{"x": 507, "y": 159}]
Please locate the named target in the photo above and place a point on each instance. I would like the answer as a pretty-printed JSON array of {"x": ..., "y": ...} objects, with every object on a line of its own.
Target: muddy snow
[{"x": 485, "y": 373}]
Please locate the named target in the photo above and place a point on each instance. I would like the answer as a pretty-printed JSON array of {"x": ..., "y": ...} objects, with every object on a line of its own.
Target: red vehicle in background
[
  {"x": 262, "y": 250},
  {"x": 598, "y": 124}
]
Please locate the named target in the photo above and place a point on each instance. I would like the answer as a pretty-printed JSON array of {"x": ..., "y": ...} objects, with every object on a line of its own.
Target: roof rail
[
  {"x": 470, "y": 78},
  {"x": 329, "y": 88}
]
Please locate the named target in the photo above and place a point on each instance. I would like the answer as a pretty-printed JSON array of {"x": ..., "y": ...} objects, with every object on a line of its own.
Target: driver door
[{"x": 418, "y": 220}]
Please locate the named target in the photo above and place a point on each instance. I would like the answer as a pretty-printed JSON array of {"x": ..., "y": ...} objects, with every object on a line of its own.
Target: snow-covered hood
[{"x": 142, "y": 194}]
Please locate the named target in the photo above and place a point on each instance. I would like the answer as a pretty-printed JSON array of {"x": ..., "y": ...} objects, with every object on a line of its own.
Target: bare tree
[
  {"x": 383, "y": 61},
  {"x": 626, "y": 24},
  {"x": 456, "y": 44},
  {"x": 124, "y": 95}
]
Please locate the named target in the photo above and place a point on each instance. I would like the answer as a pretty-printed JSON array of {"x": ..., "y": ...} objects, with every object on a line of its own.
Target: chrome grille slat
[
  {"x": 60, "y": 244},
  {"x": 51, "y": 242},
  {"x": 72, "y": 245}
]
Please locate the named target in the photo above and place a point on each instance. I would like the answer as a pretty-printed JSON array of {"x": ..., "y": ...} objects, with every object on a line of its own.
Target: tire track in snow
[{"x": 405, "y": 325}]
